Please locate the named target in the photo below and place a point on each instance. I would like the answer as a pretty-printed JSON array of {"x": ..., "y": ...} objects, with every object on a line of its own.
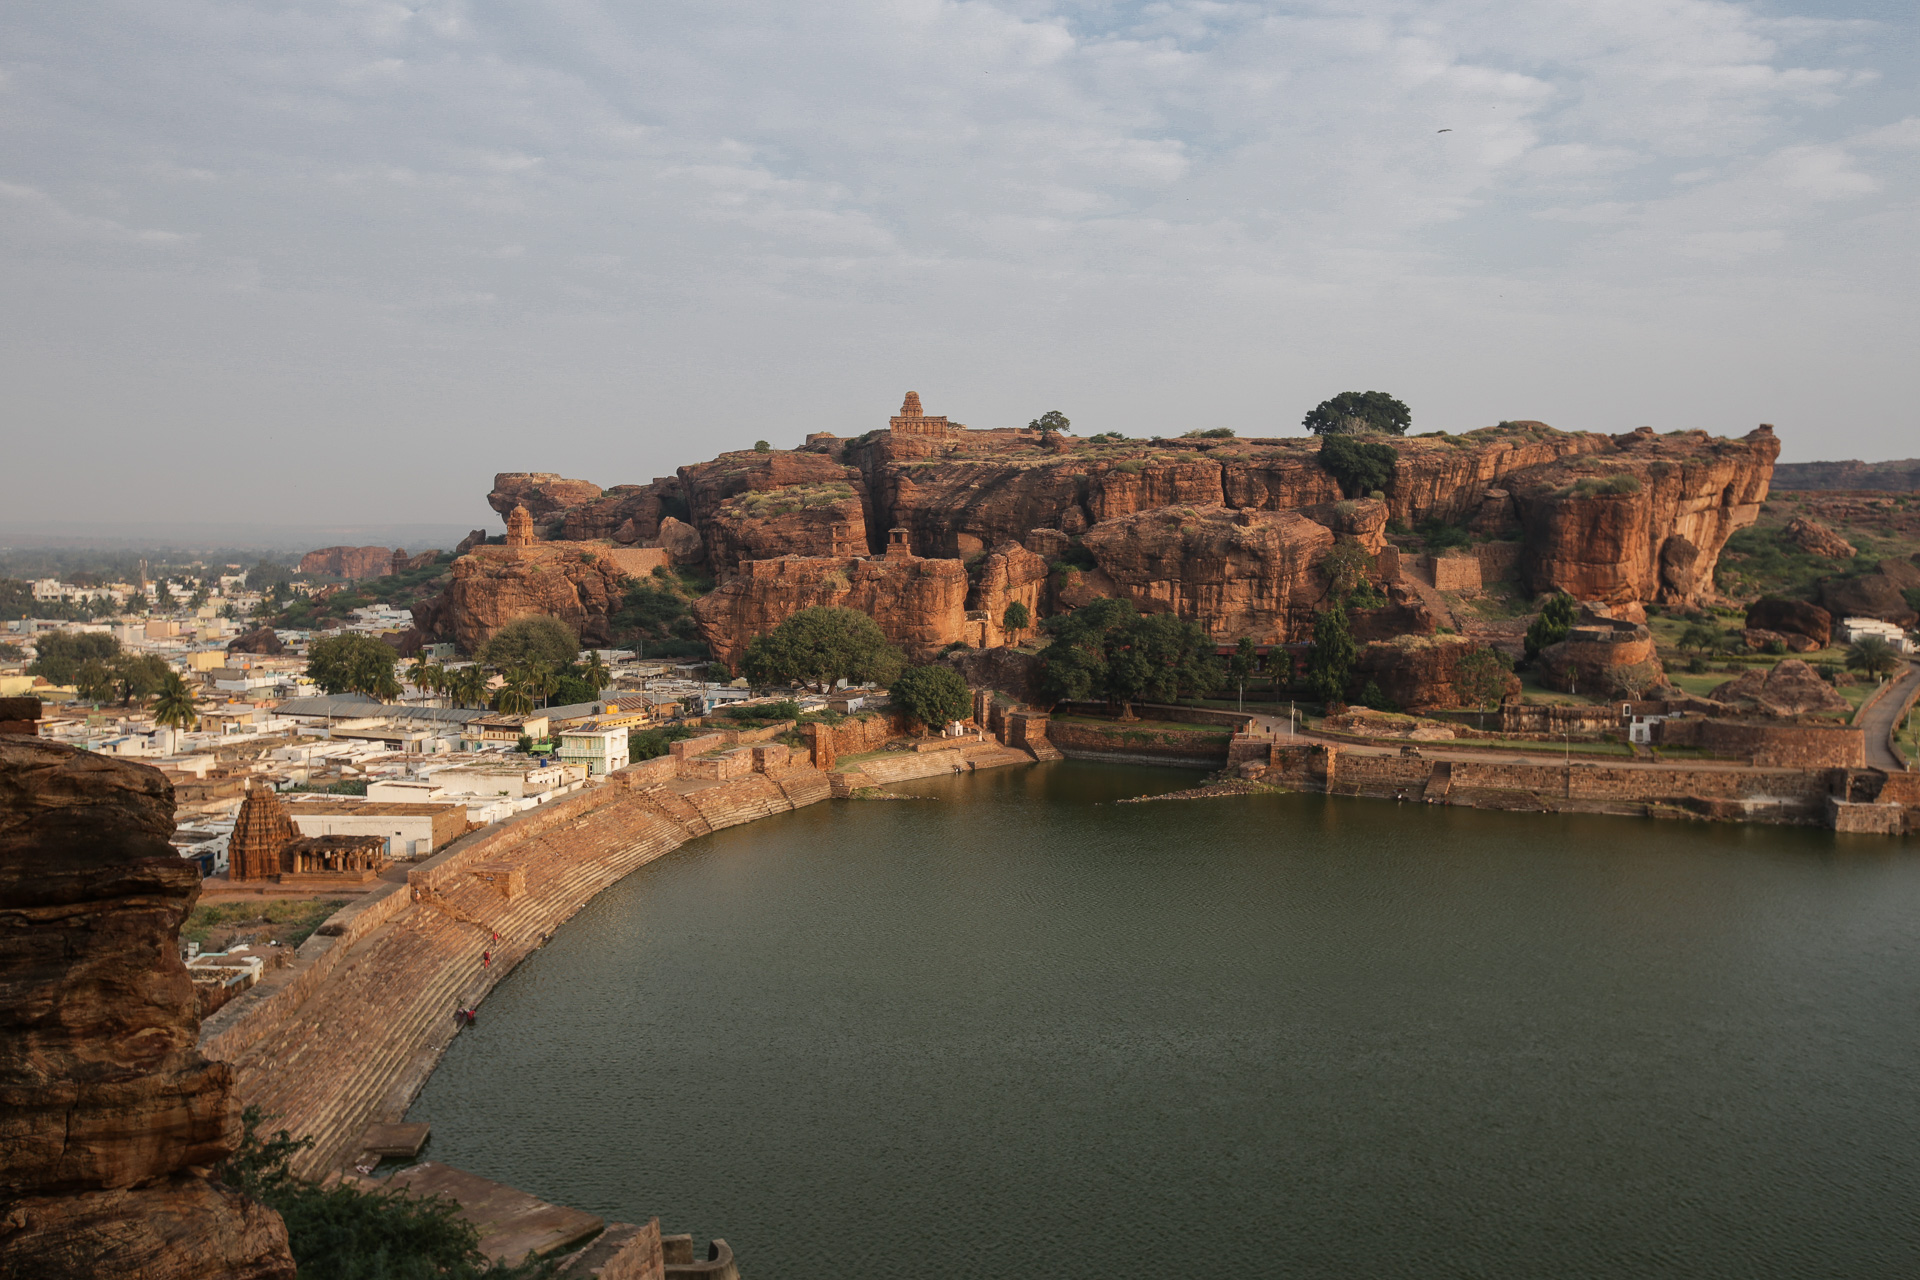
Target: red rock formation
[
  {"x": 1816, "y": 539},
  {"x": 1011, "y": 573},
  {"x": 581, "y": 584},
  {"x": 1790, "y": 688},
  {"x": 261, "y": 640},
  {"x": 542, "y": 493},
  {"x": 352, "y": 563},
  {"x": 1238, "y": 573},
  {"x": 107, "y": 1110},
  {"x": 1654, "y": 535},
  {"x": 919, "y": 604},
  {"x": 1869, "y": 595},
  {"x": 1794, "y": 616}
]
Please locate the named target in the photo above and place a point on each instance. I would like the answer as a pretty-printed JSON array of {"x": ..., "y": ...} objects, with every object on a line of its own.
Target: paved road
[{"x": 1878, "y": 719}]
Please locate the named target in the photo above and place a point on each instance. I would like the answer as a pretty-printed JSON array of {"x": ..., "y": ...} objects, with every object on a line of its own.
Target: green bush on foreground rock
[{"x": 350, "y": 1233}]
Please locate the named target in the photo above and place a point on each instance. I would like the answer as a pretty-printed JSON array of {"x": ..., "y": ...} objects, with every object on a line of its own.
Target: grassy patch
[{"x": 289, "y": 923}]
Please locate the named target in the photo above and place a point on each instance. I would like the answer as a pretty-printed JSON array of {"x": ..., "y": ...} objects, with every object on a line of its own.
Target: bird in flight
[{"x": 1443, "y": 131}]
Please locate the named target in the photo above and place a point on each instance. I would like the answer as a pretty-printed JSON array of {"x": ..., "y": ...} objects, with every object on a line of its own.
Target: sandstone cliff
[
  {"x": 1623, "y": 520},
  {"x": 107, "y": 1110},
  {"x": 348, "y": 562},
  {"x": 582, "y": 584},
  {"x": 920, "y": 604}
]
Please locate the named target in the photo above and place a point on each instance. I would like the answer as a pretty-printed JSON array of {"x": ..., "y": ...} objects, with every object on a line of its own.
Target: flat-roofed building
[
  {"x": 411, "y": 829},
  {"x": 599, "y": 751}
]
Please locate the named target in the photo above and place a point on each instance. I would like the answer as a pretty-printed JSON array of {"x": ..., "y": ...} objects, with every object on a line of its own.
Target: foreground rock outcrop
[{"x": 108, "y": 1113}]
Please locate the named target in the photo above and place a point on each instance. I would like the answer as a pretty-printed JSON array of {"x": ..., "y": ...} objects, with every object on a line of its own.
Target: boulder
[
  {"x": 543, "y": 493},
  {"x": 1869, "y": 595},
  {"x": 1790, "y": 688},
  {"x": 1760, "y": 639},
  {"x": 110, "y": 1113},
  {"x": 1816, "y": 539},
  {"x": 681, "y": 542},
  {"x": 1796, "y": 617},
  {"x": 477, "y": 538},
  {"x": 259, "y": 640}
]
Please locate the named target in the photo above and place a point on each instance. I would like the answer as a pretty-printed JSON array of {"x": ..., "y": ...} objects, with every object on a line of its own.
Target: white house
[
  {"x": 1855, "y": 629},
  {"x": 599, "y": 751}
]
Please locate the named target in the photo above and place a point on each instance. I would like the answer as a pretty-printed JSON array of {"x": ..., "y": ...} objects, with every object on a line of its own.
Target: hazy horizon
[{"x": 337, "y": 267}]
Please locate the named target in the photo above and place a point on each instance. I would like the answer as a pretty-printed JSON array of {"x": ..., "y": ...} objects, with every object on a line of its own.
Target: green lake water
[{"x": 1019, "y": 1029}]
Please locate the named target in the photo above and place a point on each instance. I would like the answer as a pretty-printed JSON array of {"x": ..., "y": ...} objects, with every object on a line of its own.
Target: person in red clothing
[{"x": 486, "y": 959}]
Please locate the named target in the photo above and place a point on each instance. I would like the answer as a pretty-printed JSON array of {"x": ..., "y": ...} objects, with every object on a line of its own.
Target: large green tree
[
  {"x": 1330, "y": 660},
  {"x": 536, "y": 639},
  {"x": 1361, "y": 466},
  {"x": 1358, "y": 413},
  {"x": 353, "y": 664},
  {"x": 822, "y": 646},
  {"x": 933, "y": 694},
  {"x": 1108, "y": 650},
  {"x": 1555, "y": 621},
  {"x": 1050, "y": 424},
  {"x": 58, "y": 655}
]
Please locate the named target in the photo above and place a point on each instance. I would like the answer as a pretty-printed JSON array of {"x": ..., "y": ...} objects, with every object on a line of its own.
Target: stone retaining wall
[{"x": 1116, "y": 741}]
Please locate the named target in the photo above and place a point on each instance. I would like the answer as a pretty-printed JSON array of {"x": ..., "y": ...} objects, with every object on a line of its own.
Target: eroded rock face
[
  {"x": 543, "y": 493},
  {"x": 579, "y": 584},
  {"x": 1421, "y": 672},
  {"x": 1011, "y": 573},
  {"x": 920, "y": 604},
  {"x": 1816, "y": 539},
  {"x": 1656, "y": 539},
  {"x": 348, "y": 562},
  {"x": 963, "y": 495},
  {"x": 1791, "y": 688},
  {"x": 1238, "y": 573},
  {"x": 1796, "y": 617},
  {"x": 106, "y": 1107}
]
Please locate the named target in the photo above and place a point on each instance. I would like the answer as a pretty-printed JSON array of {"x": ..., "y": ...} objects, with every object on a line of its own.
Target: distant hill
[{"x": 1903, "y": 475}]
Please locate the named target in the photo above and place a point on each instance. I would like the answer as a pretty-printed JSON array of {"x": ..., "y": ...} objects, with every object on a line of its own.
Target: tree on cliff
[
  {"x": 1361, "y": 466},
  {"x": 933, "y": 694},
  {"x": 1016, "y": 619},
  {"x": 531, "y": 640},
  {"x": 353, "y": 664},
  {"x": 1359, "y": 413},
  {"x": 822, "y": 646},
  {"x": 1553, "y": 624},
  {"x": 1330, "y": 660},
  {"x": 1050, "y": 424}
]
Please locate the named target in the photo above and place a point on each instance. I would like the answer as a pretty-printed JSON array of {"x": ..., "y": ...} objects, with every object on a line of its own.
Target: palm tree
[
  {"x": 469, "y": 686},
  {"x": 173, "y": 704},
  {"x": 1873, "y": 655},
  {"x": 514, "y": 699},
  {"x": 540, "y": 681},
  {"x": 594, "y": 671}
]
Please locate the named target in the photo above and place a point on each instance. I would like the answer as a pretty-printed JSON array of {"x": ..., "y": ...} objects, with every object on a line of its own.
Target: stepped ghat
[{"x": 347, "y": 1035}]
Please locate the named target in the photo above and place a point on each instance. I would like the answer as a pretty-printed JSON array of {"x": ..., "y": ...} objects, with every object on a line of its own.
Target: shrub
[{"x": 1211, "y": 433}]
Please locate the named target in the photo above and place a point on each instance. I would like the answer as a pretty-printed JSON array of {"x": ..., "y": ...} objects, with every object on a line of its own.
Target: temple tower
[
  {"x": 911, "y": 421},
  {"x": 260, "y": 832}
]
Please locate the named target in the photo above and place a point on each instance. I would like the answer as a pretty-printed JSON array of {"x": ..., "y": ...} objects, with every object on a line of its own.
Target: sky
[{"x": 344, "y": 261}]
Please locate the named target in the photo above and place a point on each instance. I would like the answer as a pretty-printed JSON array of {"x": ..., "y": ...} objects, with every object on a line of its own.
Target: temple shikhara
[{"x": 265, "y": 847}]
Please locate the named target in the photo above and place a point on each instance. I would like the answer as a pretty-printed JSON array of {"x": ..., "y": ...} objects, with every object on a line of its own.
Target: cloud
[{"x": 1154, "y": 208}]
